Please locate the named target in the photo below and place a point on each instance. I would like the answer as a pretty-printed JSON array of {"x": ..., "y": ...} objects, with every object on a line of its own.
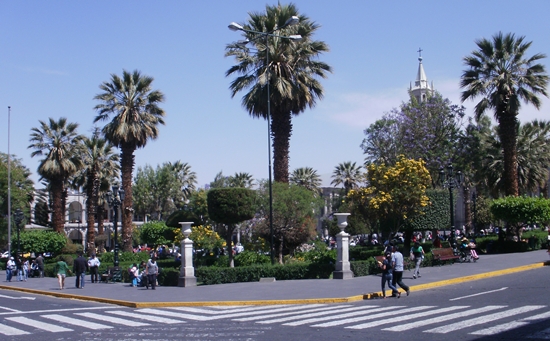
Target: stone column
[
  {"x": 342, "y": 241},
  {"x": 187, "y": 271}
]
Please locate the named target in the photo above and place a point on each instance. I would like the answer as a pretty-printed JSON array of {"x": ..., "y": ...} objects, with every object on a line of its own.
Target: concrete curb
[
  {"x": 461, "y": 279},
  {"x": 355, "y": 298}
]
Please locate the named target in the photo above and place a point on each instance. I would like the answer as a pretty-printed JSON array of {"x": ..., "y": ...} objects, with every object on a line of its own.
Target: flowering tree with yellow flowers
[{"x": 394, "y": 194}]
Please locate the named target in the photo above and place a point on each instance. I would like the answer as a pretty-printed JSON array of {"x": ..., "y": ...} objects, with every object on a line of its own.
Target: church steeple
[{"x": 421, "y": 89}]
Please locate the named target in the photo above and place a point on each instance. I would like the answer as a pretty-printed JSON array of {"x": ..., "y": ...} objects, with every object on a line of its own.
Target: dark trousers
[
  {"x": 94, "y": 274},
  {"x": 398, "y": 279},
  {"x": 152, "y": 280}
]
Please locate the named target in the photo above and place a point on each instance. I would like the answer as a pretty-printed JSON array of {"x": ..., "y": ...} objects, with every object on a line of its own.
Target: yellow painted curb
[{"x": 462, "y": 279}]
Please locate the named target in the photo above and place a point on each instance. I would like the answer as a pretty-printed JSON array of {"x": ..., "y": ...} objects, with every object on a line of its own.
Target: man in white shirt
[
  {"x": 397, "y": 261},
  {"x": 10, "y": 267},
  {"x": 93, "y": 264}
]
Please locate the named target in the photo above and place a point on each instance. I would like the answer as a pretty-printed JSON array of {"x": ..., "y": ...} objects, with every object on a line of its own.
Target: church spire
[{"x": 421, "y": 88}]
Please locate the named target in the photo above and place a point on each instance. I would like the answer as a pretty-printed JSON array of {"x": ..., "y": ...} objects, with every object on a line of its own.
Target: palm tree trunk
[
  {"x": 91, "y": 202},
  {"x": 100, "y": 229},
  {"x": 508, "y": 137},
  {"x": 281, "y": 130},
  {"x": 127, "y": 167},
  {"x": 58, "y": 211},
  {"x": 281, "y": 250},
  {"x": 467, "y": 209},
  {"x": 228, "y": 242}
]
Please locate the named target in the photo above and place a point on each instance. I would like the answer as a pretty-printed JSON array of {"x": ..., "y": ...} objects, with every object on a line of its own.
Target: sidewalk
[{"x": 279, "y": 292}]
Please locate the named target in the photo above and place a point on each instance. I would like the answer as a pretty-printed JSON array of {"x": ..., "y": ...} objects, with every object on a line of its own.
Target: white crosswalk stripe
[
  {"x": 76, "y": 322},
  {"x": 335, "y": 316},
  {"x": 392, "y": 312},
  {"x": 416, "y": 324},
  {"x": 310, "y": 315},
  {"x": 112, "y": 319},
  {"x": 404, "y": 318},
  {"x": 146, "y": 317},
  {"x": 11, "y": 331},
  {"x": 38, "y": 324},
  {"x": 292, "y": 313},
  {"x": 483, "y": 319}
]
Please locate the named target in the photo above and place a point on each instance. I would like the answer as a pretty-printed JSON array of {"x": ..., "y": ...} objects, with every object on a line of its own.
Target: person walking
[
  {"x": 62, "y": 270},
  {"x": 93, "y": 265},
  {"x": 40, "y": 263},
  {"x": 387, "y": 275},
  {"x": 80, "y": 266},
  {"x": 417, "y": 255},
  {"x": 10, "y": 268},
  {"x": 19, "y": 266},
  {"x": 397, "y": 263},
  {"x": 152, "y": 271},
  {"x": 26, "y": 268}
]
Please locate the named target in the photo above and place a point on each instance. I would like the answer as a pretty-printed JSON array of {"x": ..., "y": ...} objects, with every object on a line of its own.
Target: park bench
[
  {"x": 442, "y": 255},
  {"x": 112, "y": 274}
]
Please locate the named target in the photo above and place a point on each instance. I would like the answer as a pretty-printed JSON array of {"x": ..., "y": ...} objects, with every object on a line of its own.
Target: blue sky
[{"x": 55, "y": 54}]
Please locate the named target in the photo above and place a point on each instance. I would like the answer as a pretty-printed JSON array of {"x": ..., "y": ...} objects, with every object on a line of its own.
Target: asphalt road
[{"x": 510, "y": 307}]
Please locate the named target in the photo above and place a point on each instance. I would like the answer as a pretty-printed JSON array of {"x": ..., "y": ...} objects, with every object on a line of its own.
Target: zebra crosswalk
[{"x": 485, "y": 320}]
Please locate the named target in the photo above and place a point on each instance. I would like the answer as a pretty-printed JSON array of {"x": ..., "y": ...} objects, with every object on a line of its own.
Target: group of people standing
[
  {"x": 23, "y": 269},
  {"x": 146, "y": 274}
]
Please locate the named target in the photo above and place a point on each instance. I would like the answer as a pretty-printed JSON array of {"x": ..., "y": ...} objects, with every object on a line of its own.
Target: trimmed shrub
[{"x": 298, "y": 270}]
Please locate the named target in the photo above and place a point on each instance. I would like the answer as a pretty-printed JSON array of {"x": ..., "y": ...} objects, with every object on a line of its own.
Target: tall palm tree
[
  {"x": 186, "y": 182},
  {"x": 500, "y": 73},
  {"x": 308, "y": 178},
  {"x": 533, "y": 161},
  {"x": 60, "y": 144},
  {"x": 347, "y": 174},
  {"x": 244, "y": 180},
  {"x": 100, "y": 161},
  {"x": 292, "y": 74},
  {"x": 136, "y": 115}
]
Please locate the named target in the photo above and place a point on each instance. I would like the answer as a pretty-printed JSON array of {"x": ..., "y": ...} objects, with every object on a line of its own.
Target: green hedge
[{"x": 298, "y": 270}]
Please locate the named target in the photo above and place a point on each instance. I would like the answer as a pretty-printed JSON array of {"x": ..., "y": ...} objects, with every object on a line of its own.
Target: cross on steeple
[{"x": 419, "y": 52}]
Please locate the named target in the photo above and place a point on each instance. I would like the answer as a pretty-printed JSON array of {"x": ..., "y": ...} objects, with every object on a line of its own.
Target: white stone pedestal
[
  {"x": 342, "y": 243},
  {"x": 187, "y": 271}
]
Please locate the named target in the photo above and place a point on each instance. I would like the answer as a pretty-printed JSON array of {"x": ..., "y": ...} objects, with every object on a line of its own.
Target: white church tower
[{"x": 421, "y": 89}]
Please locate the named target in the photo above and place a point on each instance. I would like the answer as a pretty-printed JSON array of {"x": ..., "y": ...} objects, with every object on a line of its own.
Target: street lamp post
[
  {"x": 236, "y": 27},
  {"x": 114, "y": 200},
  {"x": 9, "y": 183},
  {"x": 450, "y": 180},
  {"x": 19, "y": 216}
]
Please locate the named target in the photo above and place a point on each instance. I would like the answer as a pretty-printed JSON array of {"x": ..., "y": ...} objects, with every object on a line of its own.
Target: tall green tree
[
  {"x": 294, "y": 220},
  {"x": 185, "y": 182},
  {"x": 99, "y": 160},
  {"x": 307, "y": 178},
  {"x": 230, "y": 206},
  {"x": 21, "y": 190},
  {"x": 161, "y": 191},
  {"x": 428, "y": 130},
  {"x": 396, "y": 194},
  {"x": 61, "y": 146},
  {"x": 243, "y": 180},
  {"x": 132, "y": 107},
  {"x": 292, "y": 73},
  {"x": 533, "y": 160},
  {"x": 500, "y": 73},
  {"x": 347, "y": 174}
]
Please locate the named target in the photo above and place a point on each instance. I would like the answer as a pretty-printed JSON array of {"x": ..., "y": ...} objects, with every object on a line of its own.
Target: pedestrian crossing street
[{"x": 486, "y": 320}]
